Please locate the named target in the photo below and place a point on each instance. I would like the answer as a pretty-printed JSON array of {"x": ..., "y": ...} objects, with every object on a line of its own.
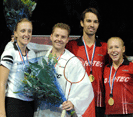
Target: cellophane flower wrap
[{"x": 40, "y": 82}]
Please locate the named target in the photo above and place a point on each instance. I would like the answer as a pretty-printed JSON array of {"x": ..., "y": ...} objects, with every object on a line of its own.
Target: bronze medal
[
  {"x": 91, "y": 77},
  {"x": 111, "y": 101}
]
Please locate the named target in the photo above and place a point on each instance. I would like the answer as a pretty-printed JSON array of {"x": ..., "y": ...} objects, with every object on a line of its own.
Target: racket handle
[{"x": 63, "y": 113}]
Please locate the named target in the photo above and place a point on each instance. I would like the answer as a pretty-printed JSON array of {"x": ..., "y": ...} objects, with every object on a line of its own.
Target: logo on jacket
[
  {"x": 118, "y": 79},
  {"x": 125, "y": 70},
  {"x": 58, "y": 76},
  {"x": 95, "y": 63}
]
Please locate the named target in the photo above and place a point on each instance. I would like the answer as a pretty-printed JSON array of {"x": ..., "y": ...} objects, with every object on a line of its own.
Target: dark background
[{"x": 117, "y": 19}]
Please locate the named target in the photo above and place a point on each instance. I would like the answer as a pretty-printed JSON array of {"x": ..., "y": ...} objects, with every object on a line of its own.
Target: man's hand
[{"x": 67, "y": 105}]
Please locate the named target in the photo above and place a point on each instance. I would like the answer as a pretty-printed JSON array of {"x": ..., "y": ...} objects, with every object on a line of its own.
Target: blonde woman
[
  {"x": 118, "y": 81},
  {"x": 11, "y": 104}
]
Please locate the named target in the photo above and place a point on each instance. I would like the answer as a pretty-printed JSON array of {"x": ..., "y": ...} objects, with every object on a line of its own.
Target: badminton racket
[{"x": 74, "y": 66}]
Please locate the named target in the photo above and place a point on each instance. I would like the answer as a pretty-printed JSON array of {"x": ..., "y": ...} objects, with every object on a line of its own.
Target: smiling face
[
  {"x": 116, "y": 49},
  {"x": 90, "y": 23},
  {"x": 59, "y": 39},
  {"x": 23, "y": 33}
]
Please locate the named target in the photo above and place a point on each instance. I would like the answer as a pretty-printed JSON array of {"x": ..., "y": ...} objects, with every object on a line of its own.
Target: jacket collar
[
  {"x": 125, "y": 62},
  {"x": 16, "y": 48},
  {"x": 80, "y": 42}
]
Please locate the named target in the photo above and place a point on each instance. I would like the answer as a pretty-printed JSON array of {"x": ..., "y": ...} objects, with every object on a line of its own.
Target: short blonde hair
[
  {"x": 62, "y": 26},
  {"x": 118, "y": 39}
]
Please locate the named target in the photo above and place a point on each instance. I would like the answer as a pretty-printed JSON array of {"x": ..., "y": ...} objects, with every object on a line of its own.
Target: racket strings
[{"x": 69, "y": 69}]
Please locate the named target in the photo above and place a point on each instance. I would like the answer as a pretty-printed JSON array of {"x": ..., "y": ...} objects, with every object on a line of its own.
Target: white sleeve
[
  {"x": 38, "y": 47},
  {"x": 7, "y": 59},
  {"x": 9, "y": 45}
]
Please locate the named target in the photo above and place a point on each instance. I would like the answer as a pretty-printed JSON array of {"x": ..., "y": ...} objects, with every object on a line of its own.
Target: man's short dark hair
[{"x": 92, "y": 10}]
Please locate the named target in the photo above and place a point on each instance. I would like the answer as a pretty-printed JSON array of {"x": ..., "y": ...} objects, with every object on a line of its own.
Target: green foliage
[
  {"x": 40, "y": 81},
  {"x": 29, "y": 4},
  {"x": 14, "y": 10}
]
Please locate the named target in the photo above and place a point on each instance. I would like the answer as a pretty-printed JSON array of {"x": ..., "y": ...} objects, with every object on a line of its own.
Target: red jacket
[
  {"x": 100, "y": 57},
  {"x": 122, "y": 89}
]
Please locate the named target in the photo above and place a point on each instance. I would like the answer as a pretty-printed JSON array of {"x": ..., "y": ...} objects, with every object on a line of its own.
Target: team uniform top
[
  {"x": 122, "y": 89},
  {"x": 81, "y": 94},
  {"x": 100, "y": 57},
  {"x": 10, "y": 59}
]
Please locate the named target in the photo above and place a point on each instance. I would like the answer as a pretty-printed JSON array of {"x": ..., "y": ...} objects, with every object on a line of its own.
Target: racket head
[{"x": 75, "y": 65}]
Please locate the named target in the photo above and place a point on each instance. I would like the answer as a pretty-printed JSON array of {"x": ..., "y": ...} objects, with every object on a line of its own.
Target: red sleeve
[{"x": 71, "y": 46}]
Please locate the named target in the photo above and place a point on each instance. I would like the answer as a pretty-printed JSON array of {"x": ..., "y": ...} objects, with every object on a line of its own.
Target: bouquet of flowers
[
  {"x": 14, "y": 10},
  {"x": 40, "y": 82}
]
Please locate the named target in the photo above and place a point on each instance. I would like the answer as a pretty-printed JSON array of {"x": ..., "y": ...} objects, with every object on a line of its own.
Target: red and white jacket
[
  {"x": 122, "y": 89},
  {"x": 100, "y": 57}
]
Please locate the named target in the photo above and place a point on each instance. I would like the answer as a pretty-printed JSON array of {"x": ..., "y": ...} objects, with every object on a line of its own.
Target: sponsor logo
[
  {"x": 99, "y": 54},
  {"x": 58, "y": 76},
  {"x": 125, "y": 70},
  {"x": 95, "y": 63},
  {"x": 118, "y": 79}
]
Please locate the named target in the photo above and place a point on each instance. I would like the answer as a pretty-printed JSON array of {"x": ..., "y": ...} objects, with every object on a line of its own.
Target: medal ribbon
[
  {"x": 111, "y": 83},
  {"x": 86, "y": 51},
  {"x": 58, "y": 57},
  {"x": 21, "y": 55}
]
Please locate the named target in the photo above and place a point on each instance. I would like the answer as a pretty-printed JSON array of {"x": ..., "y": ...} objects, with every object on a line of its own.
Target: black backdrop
[{"x": 117, "y": 19}]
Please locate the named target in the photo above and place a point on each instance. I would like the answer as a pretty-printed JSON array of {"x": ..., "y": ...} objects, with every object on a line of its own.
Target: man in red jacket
[{"x": 94, "y": 52}]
